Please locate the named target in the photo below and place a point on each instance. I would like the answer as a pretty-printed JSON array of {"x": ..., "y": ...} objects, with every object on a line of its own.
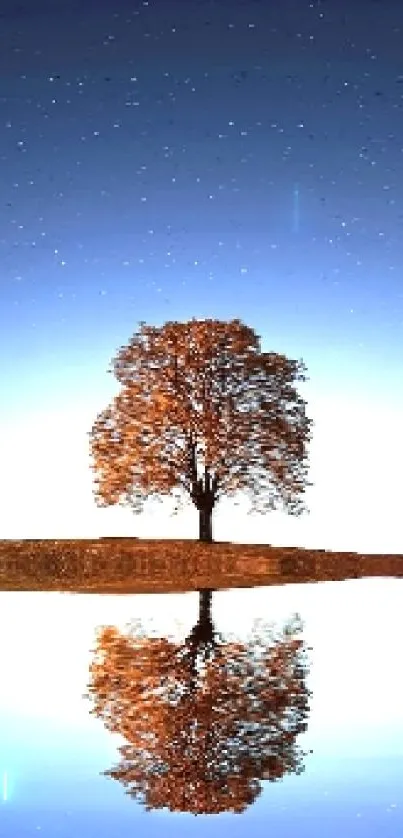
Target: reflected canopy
[{"x": 206, "y": 720}]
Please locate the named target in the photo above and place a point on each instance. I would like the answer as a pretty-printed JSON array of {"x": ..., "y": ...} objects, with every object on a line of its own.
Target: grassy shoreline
[{"x": 132, "y": 565}]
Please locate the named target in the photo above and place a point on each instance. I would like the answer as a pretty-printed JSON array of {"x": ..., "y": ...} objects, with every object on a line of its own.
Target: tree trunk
[
  {"x": 203, "y": 494},
  {"x": 205, "y": 525}
]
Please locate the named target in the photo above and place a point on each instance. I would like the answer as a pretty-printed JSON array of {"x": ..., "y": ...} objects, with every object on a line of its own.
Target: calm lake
[{"x": 302, "y": 733}]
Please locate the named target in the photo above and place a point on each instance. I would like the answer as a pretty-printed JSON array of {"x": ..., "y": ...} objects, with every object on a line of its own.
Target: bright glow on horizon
[
  {"x": 355, "y": 504},
  {"x": 347, "y": 700}
]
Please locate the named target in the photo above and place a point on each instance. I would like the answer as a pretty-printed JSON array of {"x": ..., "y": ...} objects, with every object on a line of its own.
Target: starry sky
[{"x": 211, "y": 158}]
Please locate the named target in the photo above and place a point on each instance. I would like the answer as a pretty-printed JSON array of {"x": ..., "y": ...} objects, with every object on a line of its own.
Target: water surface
[{"x": 348, "y": 776}]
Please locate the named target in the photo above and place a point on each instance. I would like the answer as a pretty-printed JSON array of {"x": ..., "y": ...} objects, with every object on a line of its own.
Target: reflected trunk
[
  {"x": 202, "y": 633},
  {"x": 205, "y": 598},
  {"x": 201, "y": 640}
]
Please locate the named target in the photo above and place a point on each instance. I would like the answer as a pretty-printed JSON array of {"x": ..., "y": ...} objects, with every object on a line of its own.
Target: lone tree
[{"x": 204, "y": 412}]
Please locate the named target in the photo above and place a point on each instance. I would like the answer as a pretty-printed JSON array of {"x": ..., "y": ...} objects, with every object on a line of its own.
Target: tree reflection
[{"x": 205, "y": 721}]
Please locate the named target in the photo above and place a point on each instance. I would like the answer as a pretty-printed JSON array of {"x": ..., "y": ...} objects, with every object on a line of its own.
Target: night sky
[{"x": 162, "y": 160}]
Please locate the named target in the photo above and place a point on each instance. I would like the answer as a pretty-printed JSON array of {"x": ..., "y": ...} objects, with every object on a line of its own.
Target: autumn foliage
[
  {"x": 204, "y": 722},
  {"x": 204, "y": 412}
]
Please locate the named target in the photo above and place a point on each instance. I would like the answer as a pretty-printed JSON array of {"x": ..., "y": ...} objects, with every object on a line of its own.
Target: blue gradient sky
[{"x": 166, "y": 160}]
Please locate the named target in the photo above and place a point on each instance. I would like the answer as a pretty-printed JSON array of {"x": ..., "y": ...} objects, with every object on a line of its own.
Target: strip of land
[{"x": 132, "y": 565}]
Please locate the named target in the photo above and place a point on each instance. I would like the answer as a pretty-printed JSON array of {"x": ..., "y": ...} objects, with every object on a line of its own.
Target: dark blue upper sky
[{"x": 163, "y": 160}]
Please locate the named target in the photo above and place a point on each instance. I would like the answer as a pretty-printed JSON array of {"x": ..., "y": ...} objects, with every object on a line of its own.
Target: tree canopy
[{"x": 204, "y": 413}]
